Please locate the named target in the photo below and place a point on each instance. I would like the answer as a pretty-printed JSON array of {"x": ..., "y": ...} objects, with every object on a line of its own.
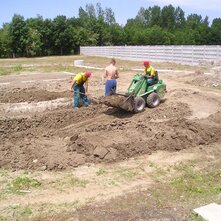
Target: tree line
[{"x": 96, "y": 26}]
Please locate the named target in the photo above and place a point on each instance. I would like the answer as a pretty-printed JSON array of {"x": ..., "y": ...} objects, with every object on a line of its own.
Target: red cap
[
  {"x": 88, "y": 74},
  {"x": 146, "y": 63}
]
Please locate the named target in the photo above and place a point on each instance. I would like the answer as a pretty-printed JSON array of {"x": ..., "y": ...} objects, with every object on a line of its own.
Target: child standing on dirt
[
  {"x": 79, "y": 86},
  {"x": 111, "y": 74}
]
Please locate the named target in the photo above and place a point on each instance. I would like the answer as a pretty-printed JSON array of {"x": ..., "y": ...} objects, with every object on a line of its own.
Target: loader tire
[
  {"x": 153, "y": 100},
  {"x": 139, "y": 104}
]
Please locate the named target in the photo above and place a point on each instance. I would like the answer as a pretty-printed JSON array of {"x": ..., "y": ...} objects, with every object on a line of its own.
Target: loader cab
[{"x": 137, "y": 85}]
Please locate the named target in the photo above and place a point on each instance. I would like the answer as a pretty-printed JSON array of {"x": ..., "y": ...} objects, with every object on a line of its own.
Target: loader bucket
[{"x": 119, "y": 101}]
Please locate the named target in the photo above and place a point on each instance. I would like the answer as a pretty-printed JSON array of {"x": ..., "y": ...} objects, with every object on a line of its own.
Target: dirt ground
[{"x": 46, "y": 138}]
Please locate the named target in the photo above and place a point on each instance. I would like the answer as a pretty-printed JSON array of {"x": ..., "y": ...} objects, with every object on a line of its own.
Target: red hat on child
[
  {"x": 88, "y": 74},
  {"x": 146, "y": 63}
]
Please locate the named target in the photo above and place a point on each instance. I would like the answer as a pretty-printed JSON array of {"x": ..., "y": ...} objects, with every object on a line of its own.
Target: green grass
[
  {"x": 5, "y": 71},
  {"x": 100, "y": 172},
  {"x": 37, "y": 212},
  {"x": 21, "y": 183},
  {"x": 125, "y": 174},
  {"x": 159, "y": 173},
  {"x": 190, "y": 188},
  {"x": 68, "y": 182},
  {"x": 21, "y": 213},
  {"x": 66, "y": 63},
  {"x": 195, "y": 217},
  {"x": 184, "y": 168},
  {"x": 151, "y": 164},
  {"x": 17, "y": 69},
  {"x": 75, "y": 182},
  {"x": 198, "y": 183},
  {"x": 16, "y": 212},
  {"x": 59, "y": 210}
]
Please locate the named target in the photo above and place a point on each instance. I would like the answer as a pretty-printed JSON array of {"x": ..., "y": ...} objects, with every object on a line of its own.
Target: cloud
[{"x": 203, "y": 4}]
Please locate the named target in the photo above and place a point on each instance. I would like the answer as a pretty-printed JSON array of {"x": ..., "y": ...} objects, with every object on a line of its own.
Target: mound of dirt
[
  {"x": 30, "y": 94},
  {"x": 203, "y": 80},
  {"x": 43, "y": 123},
  {"x": 62, "y": 139}
]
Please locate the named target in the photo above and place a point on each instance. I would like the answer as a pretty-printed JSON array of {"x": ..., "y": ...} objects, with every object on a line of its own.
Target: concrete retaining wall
[{"x": 193, "y": 54}]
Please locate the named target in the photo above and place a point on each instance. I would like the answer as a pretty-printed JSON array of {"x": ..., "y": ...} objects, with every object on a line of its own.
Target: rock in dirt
[
  {"x": 74, "y": 137},
  {"x": 112, "y": 154},
  {"x": 100, "y": 152},
  {"x": 77, "y": 159},
  {"x": 4, "y": 162},
  {"x": 43, "y": 168}
]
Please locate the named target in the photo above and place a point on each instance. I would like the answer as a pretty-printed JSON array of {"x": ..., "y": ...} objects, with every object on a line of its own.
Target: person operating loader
[
  {"x": 150, "y": 73},
  {"x": 79, "y": 86}
]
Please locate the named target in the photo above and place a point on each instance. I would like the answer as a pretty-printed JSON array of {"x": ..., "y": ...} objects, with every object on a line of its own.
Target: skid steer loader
[{"x": 138, "y": 95}]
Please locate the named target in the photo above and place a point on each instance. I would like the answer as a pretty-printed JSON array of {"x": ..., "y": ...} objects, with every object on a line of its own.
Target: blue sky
[{"x": 123, "y": 9}]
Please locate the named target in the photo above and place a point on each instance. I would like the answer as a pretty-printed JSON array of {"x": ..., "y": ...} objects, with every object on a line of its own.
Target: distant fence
[{"x": 193, "y": 54}]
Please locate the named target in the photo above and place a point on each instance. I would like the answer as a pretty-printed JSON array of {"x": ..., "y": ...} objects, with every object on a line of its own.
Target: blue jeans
[
  {"x": 110, "y": 87},
  {"x": 150, "y": 81},
  {"x": 79, "y": 92}
]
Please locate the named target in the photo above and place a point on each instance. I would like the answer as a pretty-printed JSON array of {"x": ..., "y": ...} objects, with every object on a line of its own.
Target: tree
[
  {"x": 143, "y": 17},
  {"x": 179, "y": 18},
  {"x": 91, "y": 11},
  {"x": 216, "y": 24},
  {"x": 18, "y": 32},
  {"x": 168, "y": 17},
  {"x": 109, "y": 16},
  {"x": 215, "y": 33},
  {"x": 158, "y": 36},
  {"x": 83, "y": 15},
  {"x": 155, "y": 18},
  {"x": 47, "y": 37},
  {"x": 101, "y": 30},
  {"x": 35, "y": 36},
  {"x": 95, "y": 26},
  {"x": 141, "y": 37},
  {"x": 185, "y": 37},
  {"x": 62, "y": 35},
  {"x": 199, "y": 27},
  {"x": 5, "y": 42},
  {"x": 82, "y": 37},
  {"x": 33, "y": 43},
  {"x": 193, "y": 21},
  {"x": 100, "y": 12},
  {"x": 131, "y": 28},
  {"x": 117, "y": 35}
]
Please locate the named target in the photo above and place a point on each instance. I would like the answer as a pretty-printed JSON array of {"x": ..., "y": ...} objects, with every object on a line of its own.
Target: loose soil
[{"x": 61, "y": 139}]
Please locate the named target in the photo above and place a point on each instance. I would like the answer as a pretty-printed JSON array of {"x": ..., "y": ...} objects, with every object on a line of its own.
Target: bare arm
[
  {"x": 86, "y": 88},
  {"x": 105, "y": 73},
  {"x": 117, "y": 74}
]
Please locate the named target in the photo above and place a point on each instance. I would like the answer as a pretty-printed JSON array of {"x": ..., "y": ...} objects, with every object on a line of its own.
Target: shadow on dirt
[{"x": 119, "y": 113}]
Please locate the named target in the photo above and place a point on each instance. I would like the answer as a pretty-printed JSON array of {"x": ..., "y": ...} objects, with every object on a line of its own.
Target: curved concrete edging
[
  {"x": 25, "y": 107},
  {"x": 133, "y": 69}
]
